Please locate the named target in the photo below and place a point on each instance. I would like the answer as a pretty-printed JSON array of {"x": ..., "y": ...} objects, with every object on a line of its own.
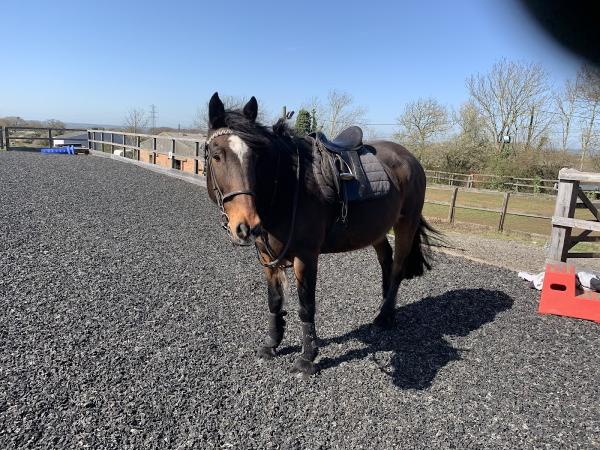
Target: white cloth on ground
[{"x": 587, "y": 280}]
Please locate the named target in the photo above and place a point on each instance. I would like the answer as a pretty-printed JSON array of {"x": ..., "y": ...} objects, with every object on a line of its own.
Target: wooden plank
[
  {"x": 29, "y": 138},
  {"x": 478, "y": 208},
  {"x": 586, "y": 201},
  {"x": 563, "y": 211},
  {"x": 435, "y": 202},
  {"x": 503, "y": 212},
  {"x": 575, "y": 240},
  {"x": 581, "y": 205},
  {"x": 154, "y": 136},
  {"x": 533, "y": 216},
  {"x": 576, "y": 175},
  {"x": 451, "y": 211},
  {"x": 568, "y": 222},
  {"x": 46, "y": 128},
  {"x": 583, "y": 255}
]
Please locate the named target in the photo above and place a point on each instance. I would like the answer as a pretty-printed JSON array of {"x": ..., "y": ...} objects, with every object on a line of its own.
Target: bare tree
[
  {"x": 511, "y": 96},
  {"x": 566, "y": 102},
  {"x": 532, "y": 128},
  {"x": 588, "y": 94},
  {"x": 471, "y": 124},
  {"x": 338, "y": 112},
  {"x": 422, "y": 121},
  {"x": 200, "y": 121},
  {"x": 53, "y": 123},
  {"x": 136, "y": 120}
]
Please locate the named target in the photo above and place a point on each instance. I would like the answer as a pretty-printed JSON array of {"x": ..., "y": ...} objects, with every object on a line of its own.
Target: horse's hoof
[
  {"x": 384, "y": 321},
  {"x": 304, "y": 368},
  {"x": 265, "y": 352}
]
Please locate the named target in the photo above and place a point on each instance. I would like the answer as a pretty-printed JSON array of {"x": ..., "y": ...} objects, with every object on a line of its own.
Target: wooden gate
[{"x": 571, "y": 196}]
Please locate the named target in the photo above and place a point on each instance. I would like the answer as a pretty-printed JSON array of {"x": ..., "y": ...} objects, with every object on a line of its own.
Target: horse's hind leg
[
  {"x": 385, "y": 257},
  {"x": 404, "y": 235},
  {"x": 277, "y": 287}
]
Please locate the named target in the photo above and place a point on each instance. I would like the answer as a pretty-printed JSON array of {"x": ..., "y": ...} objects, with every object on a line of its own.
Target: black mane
[{"x": 255, "y": 134}]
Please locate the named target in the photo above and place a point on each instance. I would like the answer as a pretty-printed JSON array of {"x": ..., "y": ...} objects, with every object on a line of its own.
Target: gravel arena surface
[{"x": 128, "y": 321}]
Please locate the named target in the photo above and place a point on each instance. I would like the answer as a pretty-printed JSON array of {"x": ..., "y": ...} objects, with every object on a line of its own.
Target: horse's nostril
[
  {"x": 243, "y": 231},
  {"x": 256, "y": 231}
]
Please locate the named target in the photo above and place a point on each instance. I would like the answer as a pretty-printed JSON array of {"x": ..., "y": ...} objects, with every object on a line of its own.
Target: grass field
[{"x": 542, "y": 205}]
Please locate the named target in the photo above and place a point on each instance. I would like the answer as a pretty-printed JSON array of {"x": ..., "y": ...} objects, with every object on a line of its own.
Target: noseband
[{"x": 221, "y": 198}]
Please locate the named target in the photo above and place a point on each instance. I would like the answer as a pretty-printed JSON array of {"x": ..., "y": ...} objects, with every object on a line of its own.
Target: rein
[{"x": 222, "y": 198}]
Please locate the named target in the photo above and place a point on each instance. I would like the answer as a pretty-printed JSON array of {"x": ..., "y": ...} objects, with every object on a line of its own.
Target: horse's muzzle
[{"x": 244, "y": 235}]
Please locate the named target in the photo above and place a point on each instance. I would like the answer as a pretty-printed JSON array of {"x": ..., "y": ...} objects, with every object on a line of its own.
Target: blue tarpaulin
[{"x": 69, "y": 150}]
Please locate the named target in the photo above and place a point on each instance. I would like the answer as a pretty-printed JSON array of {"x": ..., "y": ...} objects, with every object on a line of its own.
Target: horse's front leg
[
  {"x": 277, "y": 287},
  {"x": 305, "y": 269}
]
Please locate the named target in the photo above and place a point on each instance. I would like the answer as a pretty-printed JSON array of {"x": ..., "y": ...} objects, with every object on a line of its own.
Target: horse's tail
[{"x": 420, "y": 257}]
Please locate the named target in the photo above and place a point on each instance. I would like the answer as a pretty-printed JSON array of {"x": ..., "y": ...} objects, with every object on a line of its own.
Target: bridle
[{"x": 222, "y": 198}]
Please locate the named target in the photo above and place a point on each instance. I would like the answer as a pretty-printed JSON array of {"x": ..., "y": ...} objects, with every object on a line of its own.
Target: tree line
[{"x": 512, "y": 123}]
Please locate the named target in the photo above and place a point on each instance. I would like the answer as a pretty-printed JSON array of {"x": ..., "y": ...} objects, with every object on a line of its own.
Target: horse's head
[{"x": 231, "y": 162}]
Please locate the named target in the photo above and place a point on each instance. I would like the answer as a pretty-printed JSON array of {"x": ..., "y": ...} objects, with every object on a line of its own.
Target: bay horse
[{"x": 261, "y": 179}]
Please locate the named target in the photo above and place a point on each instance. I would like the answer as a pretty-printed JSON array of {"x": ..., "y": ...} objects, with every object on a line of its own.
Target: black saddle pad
[{"x": 371, "y": 180}]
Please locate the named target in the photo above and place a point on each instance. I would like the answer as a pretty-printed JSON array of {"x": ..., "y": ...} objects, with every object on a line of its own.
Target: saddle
[
  {"x": 348, "y": 140},
  {"x": 349, "y": 167}
]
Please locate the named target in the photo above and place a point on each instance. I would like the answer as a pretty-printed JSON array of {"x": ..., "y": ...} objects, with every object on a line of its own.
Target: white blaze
[{"x": 239, "y": 147}]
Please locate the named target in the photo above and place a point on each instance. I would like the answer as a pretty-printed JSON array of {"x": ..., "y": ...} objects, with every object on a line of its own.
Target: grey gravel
[
  {"x": 511, "y": 254},
  {"x": 128, "y": 321}
]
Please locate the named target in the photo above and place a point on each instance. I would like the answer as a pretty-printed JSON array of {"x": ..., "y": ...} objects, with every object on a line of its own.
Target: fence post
[
  {"x": 470, "y": 181},
  {"x": 7, "y": 137},
  {"x": 503, "y": 212},
  {"x": 452, "y": 205},
  {"x": 153, "y": 150},
  {"x": 50, "y": 141},
  {"x": 173, "y": 143},
  {"x": 197, "y": 156},
  {"x": 112, "y": 143},
  {"x": 138, "y": 143},
  {"x": 560, "y": 237},
  {"x": 89, "y": 144},
  {"x": 1, "y": 137}
]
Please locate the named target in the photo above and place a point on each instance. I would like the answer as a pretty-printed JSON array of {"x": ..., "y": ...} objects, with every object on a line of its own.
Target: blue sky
[{"x": 91, "y": 62}]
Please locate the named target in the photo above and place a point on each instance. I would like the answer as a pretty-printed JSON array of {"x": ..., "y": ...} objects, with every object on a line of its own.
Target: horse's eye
[{"x": 217, "y": 157}]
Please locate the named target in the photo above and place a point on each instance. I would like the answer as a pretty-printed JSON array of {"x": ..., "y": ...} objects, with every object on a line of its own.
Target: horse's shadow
[{"x": 415, "y": 349}]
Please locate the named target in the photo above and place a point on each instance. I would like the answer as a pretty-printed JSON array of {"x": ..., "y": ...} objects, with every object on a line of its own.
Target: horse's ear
[
  {"x": 216, "y": 110},
  {"x": 251, "y": 109}
]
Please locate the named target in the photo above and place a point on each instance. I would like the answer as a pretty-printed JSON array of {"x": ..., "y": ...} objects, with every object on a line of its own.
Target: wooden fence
[
  {"x": 502, "y": 183},
  {"x": 181, "y": 153},
  {"x": 33, "y": 134},
  {"x": 502, "y": 212}
]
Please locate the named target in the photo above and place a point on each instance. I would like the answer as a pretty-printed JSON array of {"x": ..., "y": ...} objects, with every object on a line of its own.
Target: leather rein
[{"x": 222, "y": 198}]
